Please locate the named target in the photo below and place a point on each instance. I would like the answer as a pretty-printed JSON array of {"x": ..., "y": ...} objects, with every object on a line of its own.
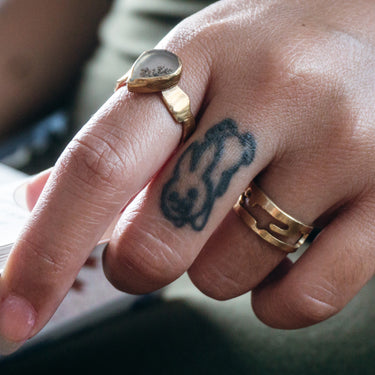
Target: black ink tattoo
[{"x": 203, "y": 173}]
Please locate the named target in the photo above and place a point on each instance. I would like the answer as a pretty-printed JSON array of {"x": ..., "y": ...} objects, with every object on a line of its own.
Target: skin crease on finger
[
  {"x": 294, "y": 76},
  {"x": 279, "y": 169},
  {"x": 305, "y": 89}
]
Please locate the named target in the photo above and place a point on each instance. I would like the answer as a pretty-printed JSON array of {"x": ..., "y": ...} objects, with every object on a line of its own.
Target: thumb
[
  {"x": 34, "y": 188},
  {"x": 27, "y": 194}
]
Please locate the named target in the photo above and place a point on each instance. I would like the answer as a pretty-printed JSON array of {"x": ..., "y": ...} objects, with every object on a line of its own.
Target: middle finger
[{"x": 162, "y": 231}]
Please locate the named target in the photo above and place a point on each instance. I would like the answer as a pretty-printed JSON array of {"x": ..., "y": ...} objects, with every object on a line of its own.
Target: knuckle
[
  {"x": 145, "y": 259},
  {"x": 325, "y": 72},
  {"x": 197, "y": 29},
  {"x": 98, "y": 162},
  {"x": 319, "y": 60},
  {"x": 294, "y": 71},
  {"x": 196, "y": 42}
]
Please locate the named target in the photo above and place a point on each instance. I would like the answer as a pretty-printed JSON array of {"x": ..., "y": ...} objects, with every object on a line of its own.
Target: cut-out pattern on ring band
[
  {"x": 285, "y": 232},
  {"x": 203, "y": 173}
]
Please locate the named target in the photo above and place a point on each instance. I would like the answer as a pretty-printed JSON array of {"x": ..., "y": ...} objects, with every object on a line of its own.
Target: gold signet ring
[{"x": 160, "y": 71}]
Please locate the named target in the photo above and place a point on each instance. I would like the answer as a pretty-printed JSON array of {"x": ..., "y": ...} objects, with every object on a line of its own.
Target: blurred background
[{"x": 59, "y": 61}]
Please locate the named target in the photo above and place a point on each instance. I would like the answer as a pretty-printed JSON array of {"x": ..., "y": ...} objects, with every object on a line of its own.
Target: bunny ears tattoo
[
  {"x": 203, "y": 174},
  {"x": 204, "y": 171}
]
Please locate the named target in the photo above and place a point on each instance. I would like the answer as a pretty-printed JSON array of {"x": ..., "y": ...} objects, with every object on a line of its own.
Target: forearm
[{"x": 43, "y": 44}]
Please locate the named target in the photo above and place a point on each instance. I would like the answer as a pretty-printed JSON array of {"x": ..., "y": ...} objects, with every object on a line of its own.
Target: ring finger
[
  {"x": 160, "y": 234},
  {"x": 235, "y": 259}
]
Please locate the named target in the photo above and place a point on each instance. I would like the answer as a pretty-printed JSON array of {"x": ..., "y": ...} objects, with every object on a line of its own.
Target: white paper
[
  {"x": 12, "y": 217},
  {"x": 94, "y": 294}
]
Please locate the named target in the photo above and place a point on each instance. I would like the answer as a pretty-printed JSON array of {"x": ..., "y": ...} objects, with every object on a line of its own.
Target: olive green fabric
[{"x": 189, "y": 333}]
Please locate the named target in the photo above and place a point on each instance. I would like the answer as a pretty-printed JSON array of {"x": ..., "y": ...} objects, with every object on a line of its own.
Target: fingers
[
  {"x": 35, "y": 187},
  {"x": 259, "y": 111},
  {"x": 336, "y": 266},
  {"x": 106, "y": 164},
  {"x": 235, "y": 259},
  {"x": 32, "y": 190},
  {"x": 164, "y": 228}
]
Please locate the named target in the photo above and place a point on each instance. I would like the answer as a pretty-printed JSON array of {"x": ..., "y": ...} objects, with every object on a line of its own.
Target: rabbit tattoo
[{"x": 203, "y": 173}]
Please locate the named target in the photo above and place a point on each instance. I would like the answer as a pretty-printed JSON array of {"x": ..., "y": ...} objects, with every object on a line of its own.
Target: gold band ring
[
  {"x": 286, "y": 232},
  {"x": 160, "y": 71}
]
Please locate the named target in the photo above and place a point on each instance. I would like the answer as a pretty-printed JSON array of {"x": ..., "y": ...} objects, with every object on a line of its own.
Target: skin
[
  {"x": 43, "y": 45},
  {"x": 299, "y": 78}
]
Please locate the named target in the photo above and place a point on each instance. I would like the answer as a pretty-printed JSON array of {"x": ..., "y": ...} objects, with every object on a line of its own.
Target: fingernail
[
  {"x": 17, "y": 319},
  {"x": 19, "y": 195},
  {"x": 23, "y": 194}
]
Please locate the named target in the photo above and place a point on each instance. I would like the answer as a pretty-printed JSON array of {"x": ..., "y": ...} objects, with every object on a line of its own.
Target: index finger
[{"x": 114, "y": 155}]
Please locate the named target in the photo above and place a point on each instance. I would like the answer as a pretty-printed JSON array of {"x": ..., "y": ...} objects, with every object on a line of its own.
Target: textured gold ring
[
  {"x": 160, "y": 71},
  {"x": 278, "y": 228}
]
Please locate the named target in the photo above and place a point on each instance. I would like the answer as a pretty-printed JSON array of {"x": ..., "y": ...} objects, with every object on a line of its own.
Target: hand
[
  {"x": 38, "y": 65},
  {"x": 285, "y": 94}
]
